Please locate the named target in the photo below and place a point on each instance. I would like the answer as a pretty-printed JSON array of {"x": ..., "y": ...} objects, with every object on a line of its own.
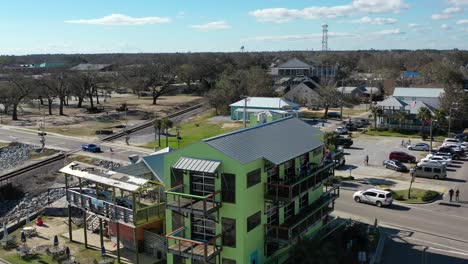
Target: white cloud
[
  {"x": 298, "y": 37},
  {"x": 458, "y": 2},
  {"x": 413, "y": 25},
  {"x": 375, "y": 21},
  {"x": 462, "y": 22},
  {"x": 119, "y": 19},
  {"x": 356, "y": 7},
  {"x": 440, "y": 16},
  {"x": 385, "y": 32},
  {"x": 215, "y": 25},
  {"x": 452, "y": 10},
  {"x": 445, "y": 26}
]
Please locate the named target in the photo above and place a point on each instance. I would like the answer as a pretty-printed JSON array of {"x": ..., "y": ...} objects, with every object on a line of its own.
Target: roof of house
[
  {"x": 418, "y": 92},
  {"x": 347, "y": 89},
  {"x": 294, "y": 64},
  {"x": 155, "y": 162},
  {"x": 392, "y": 102},
  {"x": 89, "y": 67},
  {"x": 411, "y": 74},
  {"x": 277, "y": 141},
  {"x": 199, "y": 165},
  {"x": 303, "y": 94},
  {"x": 412, "y": 106},
  {"x": 266, "y": 102},
  {"x": 369, "y": 90}
]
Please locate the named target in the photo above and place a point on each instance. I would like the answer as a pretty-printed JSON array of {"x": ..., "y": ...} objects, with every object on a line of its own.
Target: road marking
[{"x": 461, "y": 251}]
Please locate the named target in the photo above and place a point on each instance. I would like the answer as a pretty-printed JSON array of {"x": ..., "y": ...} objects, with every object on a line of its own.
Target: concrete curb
[{"x": 375, "y": 259}]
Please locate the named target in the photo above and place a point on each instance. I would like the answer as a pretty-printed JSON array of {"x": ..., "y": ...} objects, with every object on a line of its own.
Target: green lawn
[
  {"x": 416, "y": 195},
  {"x": 195, "y": 130},
  {"x": 388, "y": 133}
]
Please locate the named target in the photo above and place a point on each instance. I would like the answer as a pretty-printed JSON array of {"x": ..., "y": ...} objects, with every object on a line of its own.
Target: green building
[{"x": 247, "y": 196}]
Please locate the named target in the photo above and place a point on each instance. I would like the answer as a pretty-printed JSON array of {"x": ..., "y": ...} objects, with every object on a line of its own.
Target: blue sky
[{"x": 85, "y": 26}]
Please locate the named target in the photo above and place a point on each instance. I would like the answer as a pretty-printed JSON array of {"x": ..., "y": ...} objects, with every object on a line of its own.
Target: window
[
  {"x": 253, "y": 177},
  {"x": 427, "y": 169},
  {"x": 202, "y": 184},
  {"x": 437, "y": 170},
  {"x": 203, "y": 228},
  {"x": 229, "y": 232},
  {"x": 177, "y": 177},
  {"x": 304, "y": 201},
  {"x": 372, "y": 194},
  {"x": 178, "y": 259},
  {"x": 381, "y": 196},
  {"x": 316, "y": 152},
  {"x": 289, "y": 211},
  {"x": 254, "y": 221},
  {"x": 228, "y": 188},
  {"x": 228, "y": 261}
]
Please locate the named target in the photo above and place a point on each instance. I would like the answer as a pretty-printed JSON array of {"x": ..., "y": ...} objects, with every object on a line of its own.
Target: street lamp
[{"x": 450, "y": 117}]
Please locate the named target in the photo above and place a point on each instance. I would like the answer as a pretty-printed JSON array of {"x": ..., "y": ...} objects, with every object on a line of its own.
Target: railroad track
[{"x": 61, "y": 156}]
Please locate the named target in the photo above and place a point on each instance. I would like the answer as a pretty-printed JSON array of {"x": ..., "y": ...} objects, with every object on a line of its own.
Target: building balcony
[
  {"x": 179, "y": 201},
  {"x": 193, "y": 249},
  {"x": 291, "y": 230},
  {"x": 289, "y": 189},
  {"x": 116, "y": 213}
]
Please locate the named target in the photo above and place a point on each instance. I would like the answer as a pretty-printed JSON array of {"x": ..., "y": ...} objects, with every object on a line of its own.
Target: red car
[{"x": 402, "y": 156}]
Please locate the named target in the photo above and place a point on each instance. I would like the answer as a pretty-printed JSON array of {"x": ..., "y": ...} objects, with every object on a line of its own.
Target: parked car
[
  {"x": 441, "y": 159},
  {"x": 402, "y": 156},
  {"x": 451, "y": 140},
  {"x": 395, "y": 165},
  {"x": 448, "y": 151},
  {"x": 91, "y": 148},
  {"x": 333, "y": 115},
  {"x": 430, "y": 170},
  {"x": 351, "y": 126},
  {"x": 419, "y": 146},
  {"x": 374, "y": 196},
  {"x": 345, "y": 142},
  {"x": 341, "y": 131}
]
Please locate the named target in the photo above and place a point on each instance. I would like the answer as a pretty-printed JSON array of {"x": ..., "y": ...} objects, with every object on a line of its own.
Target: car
[
  {"x": 402, "y": 156},
  {"x": 345, "y": 142},
  {"x": 395, "y": 165},
  {"x": 444, "y": 151},
  {"x": 341, "y": 131},
  {"x": 457, "y": 146},
  {"x": 91, "y": 148},
  {"x": 373, "y": 196},
  {"x": 429, "y": 161},
  {"x": 419, "y": 146},
  {"x": 445, "y": 159},
  {"x": 451, "y": 140},
  {"x": 333, "y": 115},
  {"x": 42, "y": 133},
  {"x": 351, "y": 126}
]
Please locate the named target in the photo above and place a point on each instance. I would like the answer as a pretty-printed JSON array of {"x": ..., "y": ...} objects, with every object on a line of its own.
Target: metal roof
[
  {"x": 200, "y": 165},
  {"x": 294, "y": 64},
  {"x": 418, "y": 92},
  {"x": 277, "y": 141},
  {"x": 266, "y": 102},
  {"x": 392, "y": 102},
  {"x": 347, "y": 89},
  {"x": 89, "y": 67}
]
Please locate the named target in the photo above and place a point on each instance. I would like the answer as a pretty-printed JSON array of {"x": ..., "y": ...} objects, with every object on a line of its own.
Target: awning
[{"x": 199, "y": 165}]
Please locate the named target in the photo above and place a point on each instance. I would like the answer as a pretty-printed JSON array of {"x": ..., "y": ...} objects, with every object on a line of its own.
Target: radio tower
[{"x": 324, "y": 37}]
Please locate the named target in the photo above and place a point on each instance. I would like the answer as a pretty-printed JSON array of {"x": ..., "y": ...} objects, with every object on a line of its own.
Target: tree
[
  {"x": 58, "y": 84},
  {"x": 17, "y": 89},
  {"x": 186, "y": 73},
  {"x": 155, "y": 78},
  {"x": 376, "y": 112},
  {"x": 329, "y": 96},
  {"x": 441, "y": 118},
  {"x": 424, "y": 114},
  {"x": 401, "y": 116},
  {"x": 330, "y": 138},
  {"x": 158, "y": 127},
  {"x": 166, "y": 125}
]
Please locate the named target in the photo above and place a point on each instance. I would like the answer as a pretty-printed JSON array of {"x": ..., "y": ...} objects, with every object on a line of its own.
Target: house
[
  {"x": 351, "y": 91},
  {"x": 295, "y": 67},
  {"x": 128, "y": 209},
  {"x": 92, "y": 67},
  {"x": 430, "y": 96},
  {"x": 259, "y": 104},
  {"x": 303, "y": 95},
  {"x": 247, "y": 196}
]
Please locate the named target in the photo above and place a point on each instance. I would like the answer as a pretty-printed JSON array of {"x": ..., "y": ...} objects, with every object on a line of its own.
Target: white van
[{"x": 430, "y": 170}]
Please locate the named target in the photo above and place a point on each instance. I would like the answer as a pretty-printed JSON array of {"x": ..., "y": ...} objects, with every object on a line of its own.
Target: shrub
[
  {"x": 423, "y": 136},
  {"x": 429, "y": 195}
]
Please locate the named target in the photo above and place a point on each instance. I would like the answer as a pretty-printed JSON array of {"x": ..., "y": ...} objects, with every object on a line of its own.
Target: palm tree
[
  {"x": 401, "y": 116},
  {"x": 330, "y": 138},
  {"x": 441, "y": 117},
  {"x": 166, "y": 125},
  {"x": 424, "y": 114},
  {"x": 157, "y": 130},
  {"x": 376, "y": 112}
]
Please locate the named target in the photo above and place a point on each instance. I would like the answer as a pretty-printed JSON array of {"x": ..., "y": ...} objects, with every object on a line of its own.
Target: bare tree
[
  {"x": 156, "y": 79},
  {"x": 329, "y": 96},
  {"x": 18, "y": 88},
  {"x": 58, "y": 84}
]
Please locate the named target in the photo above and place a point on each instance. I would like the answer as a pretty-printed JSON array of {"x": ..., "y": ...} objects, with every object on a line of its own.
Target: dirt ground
[{"x": 32, "y": 115}]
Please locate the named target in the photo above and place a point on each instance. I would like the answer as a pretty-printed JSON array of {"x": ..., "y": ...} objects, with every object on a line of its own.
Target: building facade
[
  {"x": 247, "y": 196},
  {"x": 255, "y": 105}
]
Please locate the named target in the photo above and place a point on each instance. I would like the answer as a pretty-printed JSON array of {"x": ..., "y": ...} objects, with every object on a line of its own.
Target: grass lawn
[
  {"x": 416, "y": 195},
  {"x": 81, "y": 158},
  {"x": 45, "y": 153},
  {"x": 2, "y": 144},
  {"x": 84, "y": 129},
  {"x": 196, "y": 130},
  {"x": 388, "y": 133}
]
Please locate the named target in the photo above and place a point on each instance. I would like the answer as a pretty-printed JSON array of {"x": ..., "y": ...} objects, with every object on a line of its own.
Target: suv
[
  {"x": 345, "y": 142},
  {"x": 373, "y": 196},
  {"x": 91, "y": 148},
  {"x": 401, "y": 156},
  {"x": 333, "y": 115},
  {"x": 455, "y": 153}
]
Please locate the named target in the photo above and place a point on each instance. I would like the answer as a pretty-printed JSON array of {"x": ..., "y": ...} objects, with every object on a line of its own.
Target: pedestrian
[
  {"x": 402, "y": 142},
  {"x": 367, "y": 160},
  {"x": 457, "y": 195},
  {"x": 451, "y": 194},
  {"x": 409, "y": 142}
]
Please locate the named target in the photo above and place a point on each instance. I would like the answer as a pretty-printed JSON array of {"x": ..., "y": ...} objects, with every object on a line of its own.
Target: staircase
[{"x": 92, "y": 223}]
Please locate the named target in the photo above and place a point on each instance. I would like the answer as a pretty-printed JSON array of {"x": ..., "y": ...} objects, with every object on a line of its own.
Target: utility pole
[
  {"x": 430, "y": 134},
  {"x": 245, "y": 109},
  {"x": 450, "y": 118},
  {"x": 341, "y": 100}
]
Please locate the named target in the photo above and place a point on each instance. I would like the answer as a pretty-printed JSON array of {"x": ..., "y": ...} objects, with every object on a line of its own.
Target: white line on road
[{"x": 458, "y": 251}]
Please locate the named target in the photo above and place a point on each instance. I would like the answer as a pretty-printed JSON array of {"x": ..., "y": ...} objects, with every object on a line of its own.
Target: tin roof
[
  {"x": 294, "y": 64},
  {"x": 418, "y": 92},
  {"x": 200, "y": 165},
  {"x": 266, "y": 102},
  {"x": 277, "y": 141}
]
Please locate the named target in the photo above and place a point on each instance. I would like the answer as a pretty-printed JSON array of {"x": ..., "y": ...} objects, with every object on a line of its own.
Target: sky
[{"x": 135, "y": 26}]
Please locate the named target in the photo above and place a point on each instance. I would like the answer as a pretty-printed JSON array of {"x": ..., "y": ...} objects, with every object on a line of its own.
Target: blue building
[{"x": 259, "y": 104}]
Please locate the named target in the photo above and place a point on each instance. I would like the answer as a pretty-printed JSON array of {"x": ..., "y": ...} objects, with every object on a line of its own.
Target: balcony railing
[
  {"x": 288, "y": 190},
  {"x": 193, "y": 249},
  {"x": 179, "y": 201},
  {"x": 299, "y": 224},
  {"x": 116, "y": 213}
]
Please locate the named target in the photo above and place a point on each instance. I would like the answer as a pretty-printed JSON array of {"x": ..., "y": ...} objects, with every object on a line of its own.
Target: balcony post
[
  {"x": 134, "y": 209},
  {"x": 85, "y": 230},
  {"x": 117, "y": 224}
]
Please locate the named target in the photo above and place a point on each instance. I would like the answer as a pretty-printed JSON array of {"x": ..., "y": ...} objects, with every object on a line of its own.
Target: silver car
[{"x": 373, "y": 196}]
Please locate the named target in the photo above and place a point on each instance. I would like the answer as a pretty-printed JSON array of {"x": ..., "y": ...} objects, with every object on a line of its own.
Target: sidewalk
[{"x": 385, "y": 178}]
